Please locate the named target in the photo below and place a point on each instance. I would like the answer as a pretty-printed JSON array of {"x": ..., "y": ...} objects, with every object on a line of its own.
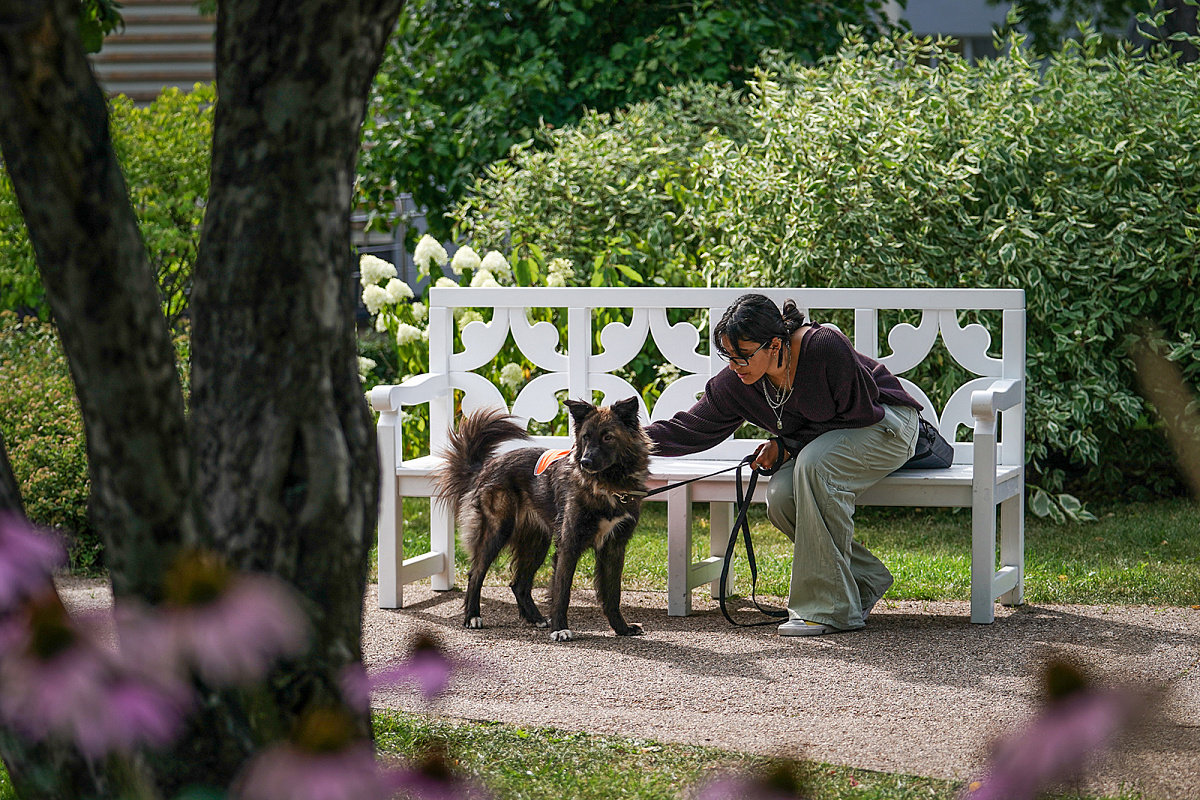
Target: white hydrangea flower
[
  {"x": 484, "y": 278},
  {"x": 398, "y": 290},
  {"x": 365, "y": 365},
  {"x": 512, "y": 376},
  {"x": 406, "y": 333},
  {"x": 469, "y": 316},
  {"x": 374, "y": 298},
  {"x": 556, "y": 279},
  {"x": 419, "y": 311},
  {"x": 381, "y": 323},
  {"x": 496, "y": 264},
  {"x": 444, "y": 281},
  {"x": 464, "y": 259},
  {"x": 429, "y": 249},
  {"x": 561, "y": 266},
  {"x": 372, "y": 269}
]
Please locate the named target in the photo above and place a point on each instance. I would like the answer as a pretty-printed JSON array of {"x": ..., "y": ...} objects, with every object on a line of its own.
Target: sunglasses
[{"x": 741, "y": 362}]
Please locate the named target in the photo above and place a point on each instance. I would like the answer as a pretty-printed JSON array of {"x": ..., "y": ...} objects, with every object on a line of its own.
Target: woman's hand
[{"x": 765, "y": 455}]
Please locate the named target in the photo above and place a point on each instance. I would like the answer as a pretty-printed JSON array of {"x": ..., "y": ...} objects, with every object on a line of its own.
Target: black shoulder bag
[{"x": 933, "y": 452}]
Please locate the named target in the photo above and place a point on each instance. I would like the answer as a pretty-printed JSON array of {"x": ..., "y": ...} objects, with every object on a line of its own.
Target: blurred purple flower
[
  {"x": 58, "y": 682},
  {"x": 432, "y": 779},
  {"x": 1055, "y": 745},
  {"x": 227, "y": 628},
  {"x": 429, "y": 667},
  {"x": 290, "y": 772},
  {"x": 28, "y": 557},
  {"x": 736, "y": 788}
]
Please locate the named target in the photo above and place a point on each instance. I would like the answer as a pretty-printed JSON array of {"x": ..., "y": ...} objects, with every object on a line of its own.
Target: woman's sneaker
[{"x": 802, "y": 627}]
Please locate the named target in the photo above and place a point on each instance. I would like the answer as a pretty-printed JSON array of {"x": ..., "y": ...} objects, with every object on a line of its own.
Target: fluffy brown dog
[{"x": 591, "y": 498}]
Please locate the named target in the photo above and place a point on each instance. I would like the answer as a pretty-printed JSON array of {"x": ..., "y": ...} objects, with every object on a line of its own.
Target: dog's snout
[{"x": 587, "y": 462}]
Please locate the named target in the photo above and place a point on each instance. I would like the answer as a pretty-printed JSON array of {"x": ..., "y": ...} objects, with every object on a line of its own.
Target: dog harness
[{"x": 548, "y": 458}]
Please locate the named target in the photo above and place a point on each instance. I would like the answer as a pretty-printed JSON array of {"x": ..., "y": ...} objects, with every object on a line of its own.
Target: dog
[{"x": 591, "y": 497}]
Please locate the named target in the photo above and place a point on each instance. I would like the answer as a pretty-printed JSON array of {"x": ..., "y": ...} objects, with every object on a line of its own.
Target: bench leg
[
  {"x": 720, "y": 521},
  {"x": 1012, "y": 545},
  {"x": 983, "y": 555},
  {"x": 441, "y": 540},
  {"x": 390, "y": 547},
  {"x": 679, "y": 551}
]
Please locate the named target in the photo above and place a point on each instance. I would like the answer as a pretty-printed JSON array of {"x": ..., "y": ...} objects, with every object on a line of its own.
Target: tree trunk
[
  {"x": 10, "y": 490},
  {"x": 102, "y": 293},
  {"x": 40, "y": 771},
  {"x": 286, "y": 460},
  {"x": 280, "y": 435}
]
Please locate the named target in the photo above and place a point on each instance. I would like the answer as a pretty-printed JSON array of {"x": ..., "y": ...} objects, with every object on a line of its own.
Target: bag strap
[{"x": 743, "y": 500}]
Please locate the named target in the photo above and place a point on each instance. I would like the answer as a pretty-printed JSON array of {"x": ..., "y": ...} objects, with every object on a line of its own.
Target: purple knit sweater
[{"x": 835, "y": 387}]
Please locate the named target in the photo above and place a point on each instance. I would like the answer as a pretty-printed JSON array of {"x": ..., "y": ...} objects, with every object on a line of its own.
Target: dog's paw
[
  {"x": 632, "y": 630},
  {"x": 542, "y": 623},
  {"x": 564, "y": 635},
  {"x": 473, "y": 622}
]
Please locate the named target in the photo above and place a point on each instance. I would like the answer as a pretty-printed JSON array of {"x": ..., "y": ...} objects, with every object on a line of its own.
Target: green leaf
[
  {"x": 1039, "y": 503},
  {"x": 629, "y": 273}
]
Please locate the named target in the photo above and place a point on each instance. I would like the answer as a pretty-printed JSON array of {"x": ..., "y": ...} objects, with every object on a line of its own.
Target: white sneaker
[{"x": 802, "y": 627}]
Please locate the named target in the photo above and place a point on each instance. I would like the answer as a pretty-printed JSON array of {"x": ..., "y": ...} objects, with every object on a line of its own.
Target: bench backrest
[{"x": 572, "y": 366}]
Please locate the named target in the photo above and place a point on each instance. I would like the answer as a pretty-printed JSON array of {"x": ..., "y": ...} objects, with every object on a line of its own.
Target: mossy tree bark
[{"x": 276, "y": 466}]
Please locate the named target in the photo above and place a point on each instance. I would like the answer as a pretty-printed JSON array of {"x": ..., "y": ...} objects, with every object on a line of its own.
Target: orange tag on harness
[{"x": 548, "y": 458}]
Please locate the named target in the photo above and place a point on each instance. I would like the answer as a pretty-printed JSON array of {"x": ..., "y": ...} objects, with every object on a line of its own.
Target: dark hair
[{"x": 756, "y": 318}]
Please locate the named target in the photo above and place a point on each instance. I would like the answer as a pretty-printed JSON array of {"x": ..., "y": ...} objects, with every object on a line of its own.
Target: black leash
[
  {"x": 671, "y": 486},
  {"x": 743, "y": 501},
  {"x": 744, "y": 498}
]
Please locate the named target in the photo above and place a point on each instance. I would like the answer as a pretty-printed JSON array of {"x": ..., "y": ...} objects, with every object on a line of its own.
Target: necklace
[{"x": 781, "y": 397}]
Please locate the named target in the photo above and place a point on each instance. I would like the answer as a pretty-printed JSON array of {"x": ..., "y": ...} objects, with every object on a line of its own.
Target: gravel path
[{"x": 919, "y": 691}]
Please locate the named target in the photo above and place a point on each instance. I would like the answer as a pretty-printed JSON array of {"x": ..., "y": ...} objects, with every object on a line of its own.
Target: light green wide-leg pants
[{"x": 812, "y": 501}]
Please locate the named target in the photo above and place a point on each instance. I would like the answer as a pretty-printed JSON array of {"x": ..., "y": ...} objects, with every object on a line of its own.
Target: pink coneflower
[
  {"x": 433, "y": 779},
  {"x": 325, "y": 759},
  {"x": 28, "y": 557},
  {"x": 287, "y": 772},
  {"x": 783, "y": 782},
  {"x": 1058, "y": 742},
  {"x": 227, "y": 628},
  {"x": 58, "y": 682},
  {"x": 428, "y": 667}
]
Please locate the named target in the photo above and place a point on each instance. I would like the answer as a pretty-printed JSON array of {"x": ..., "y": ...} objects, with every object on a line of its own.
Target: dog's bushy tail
[{"x": 475, "y": 441}]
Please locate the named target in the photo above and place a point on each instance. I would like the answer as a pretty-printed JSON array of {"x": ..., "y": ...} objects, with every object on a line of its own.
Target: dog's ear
[
  {"x": 580, "y": 410},
  {"x": 627, "y": 411}
]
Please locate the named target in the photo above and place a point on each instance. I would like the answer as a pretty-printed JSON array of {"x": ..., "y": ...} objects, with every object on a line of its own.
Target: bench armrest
[
  {"x": 1002, "y": 394},
  {"x": 413, "y": 391}
]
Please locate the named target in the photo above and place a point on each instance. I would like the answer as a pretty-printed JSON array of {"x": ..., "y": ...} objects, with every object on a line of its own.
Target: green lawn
[
  {"x": 1139, "y": 553},
  {"x": 516, "y": 762},
  {"x": 545, "y": 764}
]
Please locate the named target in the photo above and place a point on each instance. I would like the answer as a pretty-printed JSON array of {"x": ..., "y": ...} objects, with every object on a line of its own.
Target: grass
[
  {"x": 535, "y": 763},
  {"x": 1135, "y": 554}
]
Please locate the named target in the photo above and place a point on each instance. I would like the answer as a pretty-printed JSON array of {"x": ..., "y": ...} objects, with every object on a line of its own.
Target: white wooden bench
[{"x": 987, "y": 475}]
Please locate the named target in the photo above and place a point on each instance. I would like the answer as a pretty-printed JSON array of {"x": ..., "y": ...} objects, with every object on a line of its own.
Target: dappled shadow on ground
[{"x": 914, "y": 642}]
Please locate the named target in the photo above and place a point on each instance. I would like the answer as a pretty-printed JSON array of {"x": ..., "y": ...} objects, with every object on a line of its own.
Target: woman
[{"x": 847, "y": 423}]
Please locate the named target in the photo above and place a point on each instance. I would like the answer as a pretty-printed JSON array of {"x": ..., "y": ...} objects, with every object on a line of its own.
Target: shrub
[
  {"x": 1075, "y": 180},
  {"x": 606, "y": 197},
  {"x": 164, "y": 152},
  {"x": 43, "y": 431}
]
